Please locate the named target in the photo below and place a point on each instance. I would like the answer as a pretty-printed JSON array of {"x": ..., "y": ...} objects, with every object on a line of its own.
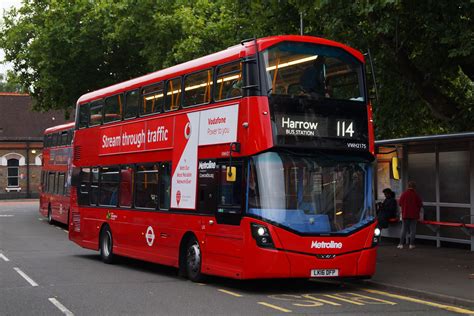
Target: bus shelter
[{"x": 443, "y": 168}]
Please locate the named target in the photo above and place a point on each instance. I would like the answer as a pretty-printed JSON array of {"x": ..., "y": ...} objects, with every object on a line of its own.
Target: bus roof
[
  {"x": 223, "y": 56},
  {"x": 58, "y": 128}
]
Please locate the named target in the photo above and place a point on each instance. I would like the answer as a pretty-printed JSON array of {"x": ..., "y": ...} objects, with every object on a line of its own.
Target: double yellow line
[{"x": 414, "y": 300}]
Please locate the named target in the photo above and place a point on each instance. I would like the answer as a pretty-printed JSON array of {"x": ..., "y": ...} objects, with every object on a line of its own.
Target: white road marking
[
  {"x": 26, "y": 277},
  {"x": 3, "y": 257},
  {"x": 6, "y": 215},
  {"x": 60, "y": 306}
]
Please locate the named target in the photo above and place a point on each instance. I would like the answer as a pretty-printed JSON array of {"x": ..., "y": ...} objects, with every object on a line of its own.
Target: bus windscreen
[{"x": 310, "y": 195}]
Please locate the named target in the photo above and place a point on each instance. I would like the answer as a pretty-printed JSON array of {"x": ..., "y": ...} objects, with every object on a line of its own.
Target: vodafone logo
[
  {"x": 326, "y": 245},
  {"x": 150, "y": 236},
  {"x": 187, "y": 130}
]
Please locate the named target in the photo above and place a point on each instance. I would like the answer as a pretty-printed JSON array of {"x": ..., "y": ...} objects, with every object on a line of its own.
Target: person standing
[{"x": 411, "y": 204}]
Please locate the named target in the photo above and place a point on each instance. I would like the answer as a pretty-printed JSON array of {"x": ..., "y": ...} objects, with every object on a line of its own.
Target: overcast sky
[{"x": 6, "y": 4}]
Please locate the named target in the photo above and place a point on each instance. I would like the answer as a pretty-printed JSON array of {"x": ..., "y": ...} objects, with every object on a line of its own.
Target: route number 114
[{"x": 345, "y": 128}]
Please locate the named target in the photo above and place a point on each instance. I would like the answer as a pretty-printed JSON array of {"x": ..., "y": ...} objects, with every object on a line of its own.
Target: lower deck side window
[{"x": 146, "y": 188}]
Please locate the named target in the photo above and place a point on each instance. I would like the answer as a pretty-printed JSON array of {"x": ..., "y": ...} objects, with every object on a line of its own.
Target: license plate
[{"x": 324, "y": 273}]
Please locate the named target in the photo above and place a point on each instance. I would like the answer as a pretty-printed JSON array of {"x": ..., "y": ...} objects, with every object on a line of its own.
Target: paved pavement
[
  {"x": 43, "y": 273},
  {"x": 442, "y": 274}
]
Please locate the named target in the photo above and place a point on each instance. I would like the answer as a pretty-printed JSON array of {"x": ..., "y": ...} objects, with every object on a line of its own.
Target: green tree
[
  {"x": 423, "y": 54},
  {"x": 9, "y": 84},
  {"x": 422, "y": 50}
]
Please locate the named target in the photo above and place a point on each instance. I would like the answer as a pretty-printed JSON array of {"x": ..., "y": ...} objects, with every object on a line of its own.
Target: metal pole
[
  {"x": 28, "y": 193},
  {"x": 301, "y": 23}
]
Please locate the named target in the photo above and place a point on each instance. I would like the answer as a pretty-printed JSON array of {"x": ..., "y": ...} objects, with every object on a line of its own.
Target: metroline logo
[{"x": 323, "y": 245}]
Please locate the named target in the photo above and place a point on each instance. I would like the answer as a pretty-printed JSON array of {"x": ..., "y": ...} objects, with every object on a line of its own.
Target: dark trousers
[{"x": 408, "y": 225}]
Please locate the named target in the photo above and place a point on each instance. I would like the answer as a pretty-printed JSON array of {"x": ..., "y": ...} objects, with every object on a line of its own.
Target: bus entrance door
[{"x": 223, "y": 234}]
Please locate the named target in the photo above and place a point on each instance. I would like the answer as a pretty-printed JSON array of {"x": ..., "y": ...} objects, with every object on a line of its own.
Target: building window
[
  {"x": 39, "y": 160},
  {"x": 13, "y": 172}
]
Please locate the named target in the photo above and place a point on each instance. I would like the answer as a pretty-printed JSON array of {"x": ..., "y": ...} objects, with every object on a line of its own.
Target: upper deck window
[
  {"x": 314, "y": 71},
  {"x": 229, "y": 81},
  {"x": 83, "y": 119},
  {"x": 55, "y": 141},
  {"x": 173, "y": 94},
  {"x": 113, "y": 108},
  {"x": 153, "y": 99},
  {"x": 197, "y": 88},
  {"x": 63, "y": 141},
  {"x": 95, "y": 113},
  {"x": 131, "y": 104}
]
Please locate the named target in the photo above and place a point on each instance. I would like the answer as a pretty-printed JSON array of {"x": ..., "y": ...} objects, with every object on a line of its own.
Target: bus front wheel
[
  {"x": 106, "y": 245},
  {"x": 193, "y": 261}
]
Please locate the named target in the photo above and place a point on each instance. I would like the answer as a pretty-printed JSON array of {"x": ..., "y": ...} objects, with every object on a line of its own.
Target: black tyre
[
  {"x": 106, "y": 244},
  {"x": 50, "y": 215},
  {"x": 194, "y": 261}
]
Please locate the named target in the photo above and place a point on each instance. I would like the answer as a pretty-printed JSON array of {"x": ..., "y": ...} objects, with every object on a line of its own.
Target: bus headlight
[
  {"x": 376, "y": 238},
  {"x": 377, "y": 232},
  {"x": 261, "y": 235}
]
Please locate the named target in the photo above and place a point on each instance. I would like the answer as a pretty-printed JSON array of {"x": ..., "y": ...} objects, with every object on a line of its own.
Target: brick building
[{"x": 21, "y": 144}]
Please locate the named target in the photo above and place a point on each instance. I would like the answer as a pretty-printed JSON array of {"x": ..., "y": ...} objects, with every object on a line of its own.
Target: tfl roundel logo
[
  {"x": 150, "y": 236},
  {"x": 187, "y": 130}
]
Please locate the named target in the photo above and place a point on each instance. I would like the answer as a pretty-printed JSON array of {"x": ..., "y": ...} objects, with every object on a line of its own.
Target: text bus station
[
  {"x": 55, "y": 189},
  {"x": 253, "y": 162}
]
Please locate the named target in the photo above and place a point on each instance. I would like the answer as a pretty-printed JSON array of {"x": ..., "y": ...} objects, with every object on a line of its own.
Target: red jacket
[{"x": 411, "y": 203}]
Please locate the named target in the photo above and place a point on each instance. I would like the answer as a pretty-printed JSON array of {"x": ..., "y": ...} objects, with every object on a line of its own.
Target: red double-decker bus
[
  {"x": 55, "y": 175},
  {"x": 253, "y": 162}
]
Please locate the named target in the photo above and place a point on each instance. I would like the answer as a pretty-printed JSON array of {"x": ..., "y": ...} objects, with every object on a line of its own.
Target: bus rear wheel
[
  {"x": 106, "y": 245},
  {"x": 50, "y": 215},
  {"x": 194, "y": 261}
]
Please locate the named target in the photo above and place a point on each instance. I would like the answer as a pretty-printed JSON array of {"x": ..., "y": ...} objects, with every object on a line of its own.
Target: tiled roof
[{"x": 18, "y": 120}]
